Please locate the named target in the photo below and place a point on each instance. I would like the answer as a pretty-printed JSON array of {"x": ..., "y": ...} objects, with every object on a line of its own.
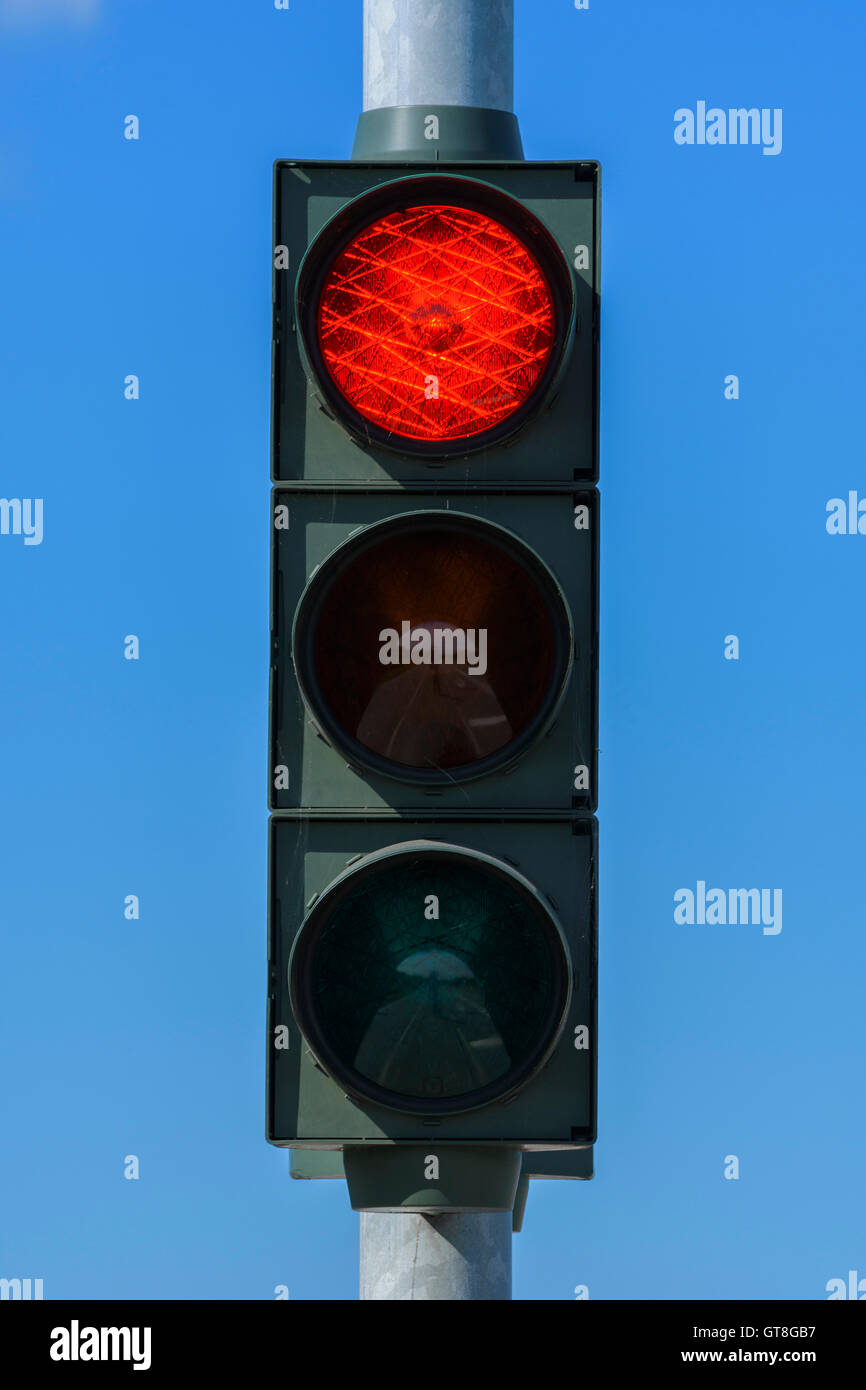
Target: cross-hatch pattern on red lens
[{"x": 436, "y": 323}]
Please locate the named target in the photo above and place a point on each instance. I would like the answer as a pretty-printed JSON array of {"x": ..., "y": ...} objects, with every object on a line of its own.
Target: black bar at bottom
[{"x": 171, "y": 1338}]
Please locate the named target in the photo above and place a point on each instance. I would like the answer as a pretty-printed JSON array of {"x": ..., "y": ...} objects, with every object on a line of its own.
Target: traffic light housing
[
  {"x": 433, "y": 732},
  {"x": 552, "y": 210},
  {"x": 364, "y": 722}
]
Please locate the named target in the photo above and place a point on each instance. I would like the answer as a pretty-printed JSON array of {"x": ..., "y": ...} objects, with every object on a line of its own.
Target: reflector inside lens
[{"x": 436, "y": 323}]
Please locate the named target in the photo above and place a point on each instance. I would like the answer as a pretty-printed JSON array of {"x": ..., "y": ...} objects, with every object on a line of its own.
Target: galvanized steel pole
[
  {"x": 445, "y": 53},
  {"x": 438, "y": 81},
  {"x": 460, "y": 1256}
]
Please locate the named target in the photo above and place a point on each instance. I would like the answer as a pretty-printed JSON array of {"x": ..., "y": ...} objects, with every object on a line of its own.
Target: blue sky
[{"x": 152, "y": 257}]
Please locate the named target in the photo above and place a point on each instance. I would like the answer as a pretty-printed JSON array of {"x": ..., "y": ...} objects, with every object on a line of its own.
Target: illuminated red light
[{"x": 436, "y": 323}]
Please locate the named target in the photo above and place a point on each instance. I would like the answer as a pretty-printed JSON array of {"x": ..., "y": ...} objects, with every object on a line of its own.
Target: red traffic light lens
[{"x": 436, "y": 323}]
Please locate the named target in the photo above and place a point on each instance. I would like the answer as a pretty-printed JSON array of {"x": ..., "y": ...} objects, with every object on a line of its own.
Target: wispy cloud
[{"x": 31, "y": 14}]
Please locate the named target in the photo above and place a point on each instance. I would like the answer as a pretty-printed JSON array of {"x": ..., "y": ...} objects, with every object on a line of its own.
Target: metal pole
[
  {"x": 447, "y": 53},
  {"x": 451, "y": 53},
  {"x": 460, "y": 1256}
]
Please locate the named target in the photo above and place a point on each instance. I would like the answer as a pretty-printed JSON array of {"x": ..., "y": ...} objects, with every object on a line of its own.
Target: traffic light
[{"x": 433, "y": 729}]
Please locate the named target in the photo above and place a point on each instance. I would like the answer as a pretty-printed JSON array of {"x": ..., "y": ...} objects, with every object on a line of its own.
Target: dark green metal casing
[
  {"x": 537, "y": 1163},
  {"x": 467, "y": 1178},
  {"x": 461, "y": 133},
  {"x": 561, "y": 447},
  {"x": 556, "y": 1107},
  {"x": 310, "y": 775},
  {"x": 536, "y": 488}
]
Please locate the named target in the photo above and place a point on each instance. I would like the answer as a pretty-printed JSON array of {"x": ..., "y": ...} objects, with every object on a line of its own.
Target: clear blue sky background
[{"x": 148, "y": 777}]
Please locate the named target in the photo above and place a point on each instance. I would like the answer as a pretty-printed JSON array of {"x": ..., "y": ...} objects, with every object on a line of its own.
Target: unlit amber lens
[
  {"x": 436, "y": 323},
  {"x": 411, "y": 708}
]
